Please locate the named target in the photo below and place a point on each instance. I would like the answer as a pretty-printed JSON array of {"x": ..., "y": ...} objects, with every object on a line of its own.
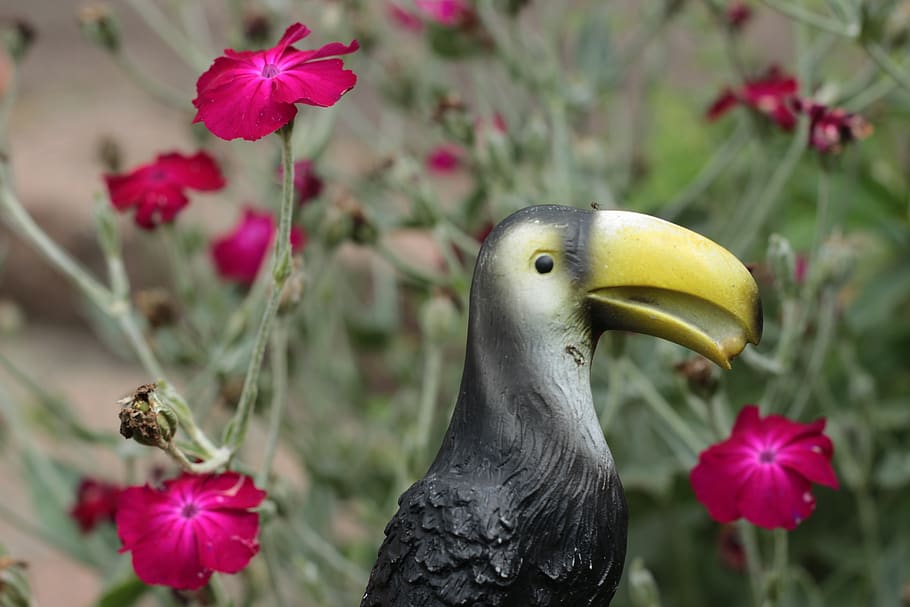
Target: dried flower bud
[
  {"x": 100, "y": 26},
  {"x": 17, "y": 37},
  {"x": 14, "y": 590},
  {"x": 293, "y": 287},
  {"x": 257, "y": 28},
  {"x": 701, "y": 375},
  {"x": 145, "y": 419},
  {"x": 157, "y": 306},
  {"x": 110, "y": 154}
]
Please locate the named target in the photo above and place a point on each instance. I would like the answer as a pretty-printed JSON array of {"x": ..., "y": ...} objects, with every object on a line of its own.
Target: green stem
[
  {"x": 161, "y": 25},
  {"x": 153, "y": 87},
  {"x": 769, "y": 195},
  {"x": 271, "y": 565},
  {"x": 412, "y": 272},
  {"x": 236, "y": 430},
  {"x": 279, "y": 365},
  {"x": 714, "y": 168},
  {"x": 429, "y": 390},
  {"x": 6, "y": 106},
  {"x": 24, "y": 225},
  {"x": 662, "y": 408},
  {"x": 797, "y": 12},
  {"x": 880, "y": 56},
  {"x": 779, "y": 577},
  {"x": 753, "y": 561}
]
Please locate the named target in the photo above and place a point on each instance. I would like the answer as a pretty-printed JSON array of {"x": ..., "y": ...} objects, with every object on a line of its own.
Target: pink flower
[
  {"x": 830, "y": 128},
  {"x": 764, "y": 471},
  {"x": 450, "y": 13},
  {"x": 307, "y": 184},
  {"x": 96, "y": 502},
  {"x": 250, "y": 94},
  {"x": 738, "y": 15},
  {"x": 158, "y": 190},
  {"x": 403, "y": 18},
  {"x": 239, "y": 254},
  {"x": 772, "y": 94},
  {"x": 444, "y": 159},
  {"x": 181, "y": 533}
]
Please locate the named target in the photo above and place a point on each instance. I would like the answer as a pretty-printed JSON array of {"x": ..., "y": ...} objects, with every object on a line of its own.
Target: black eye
[{"x": 543, "y": 264}]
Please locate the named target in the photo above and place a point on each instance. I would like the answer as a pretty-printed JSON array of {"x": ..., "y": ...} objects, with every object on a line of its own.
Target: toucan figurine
[{"x": 523, "y": 506}]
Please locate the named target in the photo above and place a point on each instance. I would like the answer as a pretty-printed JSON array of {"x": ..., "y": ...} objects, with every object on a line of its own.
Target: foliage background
[{"x": 604, "y": 103}]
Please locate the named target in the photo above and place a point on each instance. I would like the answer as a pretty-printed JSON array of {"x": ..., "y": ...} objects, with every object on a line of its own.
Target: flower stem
[
  {"x": 753, "y": 561},
  {"x": 888, "y": 65},
  {"x": 279, "y": 365},
  {"x": 779, "y": 576},
  {"x": 24, "y": 225},
  {"x": 799, "y": 13},
  {"x": 429, "y": 391},
  {"x": 770, "y": 194},
  {"x": 153, "y": 87},
  {"x": 236, "y": 429},
  {"x": 170, "y": 35},
  {"x": 663, "y": 409}
]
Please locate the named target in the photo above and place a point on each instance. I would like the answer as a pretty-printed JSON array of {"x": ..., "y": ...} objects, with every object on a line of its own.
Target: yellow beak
[{"x": 651, "y": 276}]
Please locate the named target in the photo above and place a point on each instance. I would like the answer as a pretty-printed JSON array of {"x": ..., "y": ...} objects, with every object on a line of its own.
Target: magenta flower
[
  {"x": 239, "y": 253},
  {"x": 192, "y": 526},
  {"x": 404, "y": 18},
  {"x": 158, "y": 190},
  {"x": 764, "y": 471},
  {"x": 830, "y": 128},
  {"x": 444, "y": 159},
  {"x": 772, "y": 94},
  {"x": 96, "y": 502},
  {"x": 251, "y": 94},
  {"x": 449, "y": 13}
]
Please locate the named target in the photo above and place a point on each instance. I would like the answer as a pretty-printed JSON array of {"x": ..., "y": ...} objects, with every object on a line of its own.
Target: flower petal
[
  {"x": 243, "y": 107},
  {"x": 811, "y": 457},
  {"x": 320, "y": 83},
  {"x": 726, "y": 101},
  {"x": 227, "y": 539},
  {"x": 228, "y": 490},
  {"x": 775, "y": 497},
  {"x": 716, "y": 481},
  {"x": 197, "y": 172},
  {"x": 170, "y": 557}
]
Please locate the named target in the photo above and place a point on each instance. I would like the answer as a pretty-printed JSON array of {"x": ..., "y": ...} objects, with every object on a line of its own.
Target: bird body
[{"x": 522, "y": 506}]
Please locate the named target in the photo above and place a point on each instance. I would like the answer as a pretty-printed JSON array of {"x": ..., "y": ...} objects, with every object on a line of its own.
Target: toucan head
[{"x": 559, "y": 271}]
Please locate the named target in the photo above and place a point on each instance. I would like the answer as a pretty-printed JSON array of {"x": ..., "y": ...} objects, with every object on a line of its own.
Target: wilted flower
[
  {"x": 192, "y": 526},
  {"x": 158, "y": 190},
  {"x": 444, "y": 159},
  {"x": 251, "y": 94},
  {"x": 772, "y": 95},
  {"x": 764, "y": 471},
  {"x": 830, "y": 128},
  {"x": 404, "y": 18},
  {"x": 738, "y": 15},
  {"x": 449, "y": 13},
  {"x": 239, "y": 254},
  {"x": 96, "y": 502}
]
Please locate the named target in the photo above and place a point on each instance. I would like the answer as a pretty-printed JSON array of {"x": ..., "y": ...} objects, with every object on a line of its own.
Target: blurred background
[{"x": 451, "y": 127}]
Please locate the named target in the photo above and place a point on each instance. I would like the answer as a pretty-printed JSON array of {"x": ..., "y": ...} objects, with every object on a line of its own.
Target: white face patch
[{"x": 536, "y": 284}]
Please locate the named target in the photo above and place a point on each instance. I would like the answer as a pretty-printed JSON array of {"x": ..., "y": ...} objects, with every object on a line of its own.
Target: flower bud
[
  {"x": 642, "y": 587},
  {"x": 99, "y": 25},
  {"x": 12, "y": 320},
  {"x": 157, "y": 306},
  {"x": 145, "y": 419},
  {"x": 17, "y": 37},
  {"x": 700, "y": 374},
  {"x": 106, "y": 225},
  {"x": 439, "y": 318},
  {"x": 782, "y": 261}
]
